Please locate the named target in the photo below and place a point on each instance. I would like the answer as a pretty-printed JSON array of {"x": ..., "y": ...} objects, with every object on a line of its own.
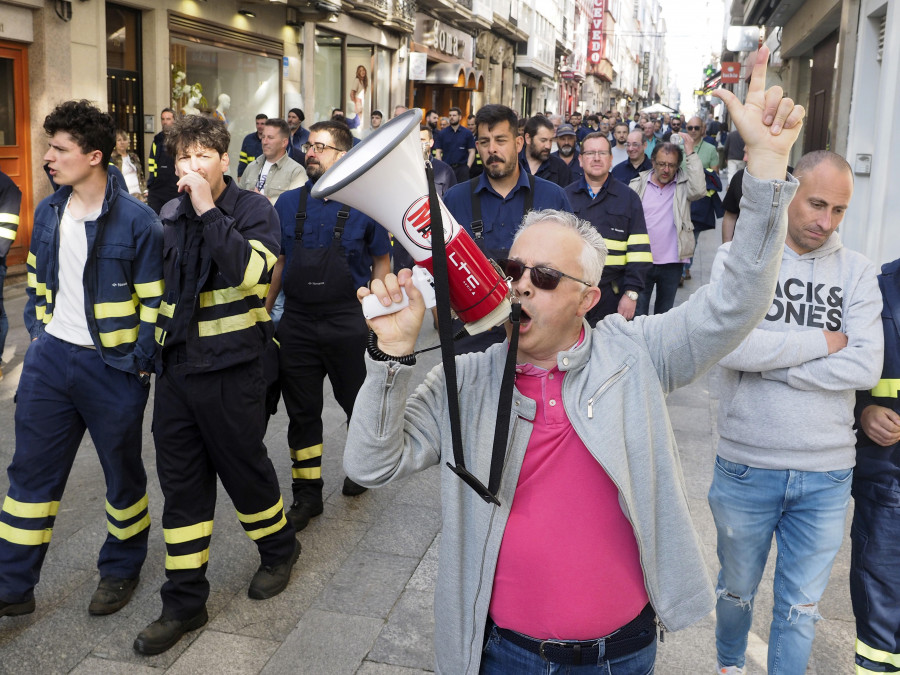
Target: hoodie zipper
[
  {"x": 776, "y": 202},
  {"x": 615, "y": 377},
  {"x": 388, "y": 383}
]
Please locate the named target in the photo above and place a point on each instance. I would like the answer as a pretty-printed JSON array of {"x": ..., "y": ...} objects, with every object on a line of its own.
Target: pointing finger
[{"x": 758, "y": 76}]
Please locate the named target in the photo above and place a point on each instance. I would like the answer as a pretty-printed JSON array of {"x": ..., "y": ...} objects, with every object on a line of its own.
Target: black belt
[{"x": 632, "y": 637}]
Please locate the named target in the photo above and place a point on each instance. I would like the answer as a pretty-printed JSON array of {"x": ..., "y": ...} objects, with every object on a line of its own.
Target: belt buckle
[{"x": 556, "y": 643}]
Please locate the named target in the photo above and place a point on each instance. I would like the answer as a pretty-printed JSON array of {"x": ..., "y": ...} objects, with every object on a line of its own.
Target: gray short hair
[{"x": 593, "y": 257}]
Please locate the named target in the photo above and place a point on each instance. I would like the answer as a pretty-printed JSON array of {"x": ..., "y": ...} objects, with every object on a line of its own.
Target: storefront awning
[
  {"x": 474, "y": 79},
  {"x": 455, "y": 75}
]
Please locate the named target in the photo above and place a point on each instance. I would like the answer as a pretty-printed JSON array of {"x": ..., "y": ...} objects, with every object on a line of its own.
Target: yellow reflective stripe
[
  {"x": 40, "y": 288},
  {"x": 117, "y": 337},
  {"x": 615, "y": 244},
  {"x": 128, "y": 512},
  {"x": 637, "y": 239},
  {"x": 261, "y": 515},
  {"x": 253, "y": 273},
  {"x": 615, "y": 260},
  {"x": 865, "y": 671},
  {"x": 46, "y": 316},
  {"x": 270, "y": 257},
  {"x": 310, "y": 473},
  {"x": 29, "y": 509},
  {"x": 225, "y": 295},
  {"x": 16, "y": 535},
  {"x": 31, "y": 260},
  {"x": 230, "y": 324},
  {"x": 131, "y": 530},
  {"x": 159, "y": 335},
  {"x": 7, "y": 233},
  {"x": 639, "y": 256},
  {"x": 166, "y": 309},
  {"x": 877, "y": 655},
  {"x": 306, "y": 453},
  {"x": 259, "y": 534},
  {"x": 149, "y": 314},
  {"x": 151, "y": 289},
  {"x": 114, "y": 310},
  {"x": 191, "y": 561},
  {"x": 39, "y": 311},
  {"x": 243, "y": 156},
  {"x": 179, "y": 535},
  {"x": 887, "y": 388},
  {"x": 11, "y": 218}
]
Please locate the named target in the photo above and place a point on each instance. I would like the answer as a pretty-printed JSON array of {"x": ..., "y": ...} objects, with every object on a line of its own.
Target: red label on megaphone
[{"x": 417, "y": 224}]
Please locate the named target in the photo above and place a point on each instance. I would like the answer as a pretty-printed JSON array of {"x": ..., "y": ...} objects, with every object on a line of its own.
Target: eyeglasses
[
  {"x": 545, "y": 278},
  {"x": 596, "y": 153},
  {"x": 665, "y": 165},
  {"x": 690, "y": 128},
  {"x": 318, "y": 147}
]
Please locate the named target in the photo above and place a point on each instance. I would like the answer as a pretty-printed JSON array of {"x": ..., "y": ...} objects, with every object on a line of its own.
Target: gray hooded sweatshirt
[{"x": 785, "y": 403}]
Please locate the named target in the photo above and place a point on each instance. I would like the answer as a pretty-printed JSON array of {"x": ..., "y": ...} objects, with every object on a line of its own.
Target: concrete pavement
[{"x": 360, "y": 599}]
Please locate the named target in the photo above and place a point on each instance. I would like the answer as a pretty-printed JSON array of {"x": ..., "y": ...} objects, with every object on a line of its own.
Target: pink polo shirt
[
  {"x": 569, "y": 566},
  {"x": 660, "y": 219}
]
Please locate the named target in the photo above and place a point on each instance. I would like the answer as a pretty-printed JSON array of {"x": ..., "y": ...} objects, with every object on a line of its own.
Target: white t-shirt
[
  {"x": 261, "y": 181},
  {"x": 69, "y": 322},
  {"x": 129, "y": 171},
  {"x": 619, "y": 155}
]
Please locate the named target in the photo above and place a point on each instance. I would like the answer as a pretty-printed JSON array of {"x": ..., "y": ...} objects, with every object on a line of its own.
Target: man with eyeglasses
[
  {"x": 615, "y": 211},
  {"x": 592, "y": 540},
  {"x": 327, "y": 251},
  {"x": 491, "y": 206},
  {"x": 666, "y": 192},
  {"x": 536, "y": 157},
  {"x": 674, "y": 128},
  {"x": 637, "y": 163}
]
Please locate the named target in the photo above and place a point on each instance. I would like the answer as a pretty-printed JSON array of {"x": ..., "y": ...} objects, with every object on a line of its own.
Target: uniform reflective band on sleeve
[
  {"x": 232, "y": 323},
  {"x": 123, "y": 533},
  {"x": 151, "y": 289},
  {"x": 253, "y": 273},
  {"x": 114, "y": 310},
  {"x": 615, "y": 260},
  {"x": 638, "y": 239},
  {"x": 29, "y": 509},
  {"x": 39, "y": 311},
  {"x": 271, "y": 258},
  {"x": 11, "y": 218},
  {"x": 887, "y": 388},
  {"x": 128, "y": 512},
  {"x": 262, "y": 515},
  {"x": 262, "y": 532},
  {"x": 16, "y": 535},
  {"x": 877, "y": 655},
  {"x": 191, "y": 561},
  {"x": 179, "y": 535},
  {"x": 308, "y": 473},
  {"x": 306, "y": 453},
  {"x": 166, "y": 309},
  {"x": 160, "y": 335},
  {"x": 639, "y": 256},
  {"x": 223, "y": 296},
  {"x": 7, "y": 233},
  {"x": 615, "y": 244},
  {"x": 117, "y": 337},
  {"x": 149, "y": 314},
  {"x": 31, "y": 259}
]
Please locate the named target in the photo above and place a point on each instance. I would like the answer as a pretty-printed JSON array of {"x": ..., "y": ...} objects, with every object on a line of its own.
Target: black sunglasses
[
  {"x": 690, "y": 128},
  {"x": 545, "y": 278}
]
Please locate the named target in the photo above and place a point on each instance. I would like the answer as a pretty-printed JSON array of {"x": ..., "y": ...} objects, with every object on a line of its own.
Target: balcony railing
[{"x": 402, "y": 15}]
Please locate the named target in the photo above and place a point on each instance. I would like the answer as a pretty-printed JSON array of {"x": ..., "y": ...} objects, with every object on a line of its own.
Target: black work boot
[
  {"x": 16, "y": 608},
  {"x": 112, "y": 594},
  {"x": 270, "y": 581},
  {"x": 307, "y": 504},
  {"x": 163, "y": 633}
]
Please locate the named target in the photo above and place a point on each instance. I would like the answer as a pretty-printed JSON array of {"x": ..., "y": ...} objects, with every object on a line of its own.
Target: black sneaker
[
  {"x": 16, "y": 608},
  {"x": 270, "y": 581},
  {"x": 352, "y": 489},
  {"x": 112, "y": 594},
  {"x": 300, "y": 513},
  {"x": 163, "y": 633}
]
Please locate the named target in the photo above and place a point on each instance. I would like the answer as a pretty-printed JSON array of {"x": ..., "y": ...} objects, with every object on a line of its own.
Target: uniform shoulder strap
[{"x": 300, "y": 218}]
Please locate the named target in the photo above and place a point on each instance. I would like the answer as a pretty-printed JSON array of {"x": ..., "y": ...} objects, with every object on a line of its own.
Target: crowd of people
[{"x": 586, "y": 551}]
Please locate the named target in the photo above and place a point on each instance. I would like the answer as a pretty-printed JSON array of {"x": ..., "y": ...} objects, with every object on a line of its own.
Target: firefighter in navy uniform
[
  {"x": 875, "y": 533},
  {"x": 94, "y": 288},
  {"x": 220, "y": 244},
  {"x": 328, "y": 251},
  {"x": 10, "y": 201},
  {"x": 161, "y": 180}
]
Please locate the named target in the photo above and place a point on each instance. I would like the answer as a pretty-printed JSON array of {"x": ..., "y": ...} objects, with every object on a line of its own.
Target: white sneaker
[{"x": 730, "y": 670}]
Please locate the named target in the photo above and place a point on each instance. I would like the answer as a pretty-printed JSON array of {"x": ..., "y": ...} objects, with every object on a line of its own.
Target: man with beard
[
  {"x": 536, "y": 157},
  {"x": 251, "y": 146},
  {"x": 637, "y": 163},
  {"x": 568, "y": 152},
  {"x": 161, "y": 182},
  {"x": 492, "y": 206},
  {"x": 674, "y": 128},
  {"x": 431, "y": 119},
  {"x": 456, "y": 146},
  {"x": 299, "y": 135},
  {"x": 620, "y": 138},
  {"x": 327, "y": 251}
]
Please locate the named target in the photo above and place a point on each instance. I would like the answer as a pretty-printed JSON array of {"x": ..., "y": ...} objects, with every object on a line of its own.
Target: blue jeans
[
  {"x": 665, "y": 277},
  {"x": 501, "y": 657},
  {"x": 805, "y": 510}
]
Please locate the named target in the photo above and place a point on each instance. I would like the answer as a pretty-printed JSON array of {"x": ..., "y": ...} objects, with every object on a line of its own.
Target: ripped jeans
[{"x": 805, "y": 510}]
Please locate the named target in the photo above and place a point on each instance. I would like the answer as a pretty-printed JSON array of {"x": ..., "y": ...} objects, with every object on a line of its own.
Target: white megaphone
[{"x": 384, "y": 177}]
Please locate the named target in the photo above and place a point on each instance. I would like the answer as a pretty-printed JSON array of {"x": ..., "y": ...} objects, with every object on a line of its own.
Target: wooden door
[{"x": 15, "y": 139}]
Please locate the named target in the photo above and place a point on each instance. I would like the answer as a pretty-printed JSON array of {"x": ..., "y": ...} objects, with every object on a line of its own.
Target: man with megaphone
[
  {"x": 328, "y": 250},
  {"x": 586, "y": 548}
]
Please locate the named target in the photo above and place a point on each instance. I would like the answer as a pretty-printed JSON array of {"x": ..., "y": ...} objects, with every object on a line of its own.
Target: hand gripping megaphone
[{"x": 384, "y": 177}]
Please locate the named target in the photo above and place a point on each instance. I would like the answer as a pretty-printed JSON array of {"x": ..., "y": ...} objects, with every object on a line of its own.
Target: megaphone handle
[{"x": 422, "y": 280}]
